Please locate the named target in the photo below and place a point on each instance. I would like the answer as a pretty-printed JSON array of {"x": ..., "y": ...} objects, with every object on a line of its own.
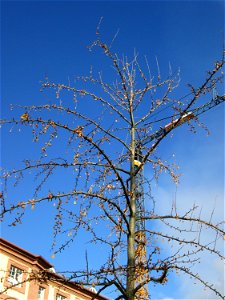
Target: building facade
[{"x": 25, "y": 276}]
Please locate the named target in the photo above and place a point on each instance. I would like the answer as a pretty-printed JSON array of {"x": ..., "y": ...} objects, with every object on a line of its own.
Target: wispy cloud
[{"x": 201, "y": 185}]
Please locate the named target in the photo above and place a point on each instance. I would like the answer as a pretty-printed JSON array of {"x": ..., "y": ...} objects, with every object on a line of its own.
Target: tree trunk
[{"x": 132, "y": 225}]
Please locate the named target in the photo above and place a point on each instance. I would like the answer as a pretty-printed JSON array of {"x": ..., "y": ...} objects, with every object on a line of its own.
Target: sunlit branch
[
  {"x": 69, "y": 111},
  {"x": 188, "y": 219},
  {"x": 86, "y": 93},
  {"x": 198, "y": 278}
]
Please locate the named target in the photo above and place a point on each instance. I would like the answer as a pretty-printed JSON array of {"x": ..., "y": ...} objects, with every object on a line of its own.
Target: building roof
[{"x": 35, "y": 258}]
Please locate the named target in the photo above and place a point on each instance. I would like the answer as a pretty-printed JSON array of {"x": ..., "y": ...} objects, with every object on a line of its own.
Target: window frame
[
  {"x": 15, "y": 275},
  {"x": 62, "y": 297},
  {"x": 41, "y": 296},
  {"x": 17, "y": 287}
]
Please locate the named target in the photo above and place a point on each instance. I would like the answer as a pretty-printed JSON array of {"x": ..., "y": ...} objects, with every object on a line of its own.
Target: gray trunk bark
[{"x": 132, "y": 224}]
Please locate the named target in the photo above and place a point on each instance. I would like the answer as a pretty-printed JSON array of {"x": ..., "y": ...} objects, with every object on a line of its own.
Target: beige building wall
[
  {"x": 3, "y": 267},
  {"x": 6, "y": 261}
]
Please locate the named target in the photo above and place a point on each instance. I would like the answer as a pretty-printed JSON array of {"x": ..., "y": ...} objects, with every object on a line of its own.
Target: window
[
  {"x": 41, "y": 293},
  {"x": 60, "y": 297},
  {"x": 15, "y": 275}
]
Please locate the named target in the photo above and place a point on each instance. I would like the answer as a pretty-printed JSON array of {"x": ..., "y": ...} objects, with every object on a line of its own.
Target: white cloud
[
  {"x": 212, "y": 272},
  {"x": 208, "y": 195}
]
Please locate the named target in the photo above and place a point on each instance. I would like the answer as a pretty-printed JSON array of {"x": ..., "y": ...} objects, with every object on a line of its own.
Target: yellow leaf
[{"x": 25, "y": 117}]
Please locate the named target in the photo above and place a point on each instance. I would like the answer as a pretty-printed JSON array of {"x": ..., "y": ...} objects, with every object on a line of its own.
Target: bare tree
[{"x": 111, "y": 133}]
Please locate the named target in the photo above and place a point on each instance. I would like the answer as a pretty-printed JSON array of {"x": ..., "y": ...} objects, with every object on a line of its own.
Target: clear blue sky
[{"x": 42, "y": 38}]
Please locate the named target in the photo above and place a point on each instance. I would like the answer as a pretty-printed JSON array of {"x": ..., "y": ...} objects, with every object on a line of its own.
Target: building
[{"x": 25, "y": 276}]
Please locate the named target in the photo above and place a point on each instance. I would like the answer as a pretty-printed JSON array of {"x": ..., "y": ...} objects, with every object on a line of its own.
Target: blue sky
[{"x": 50, "y": 38}]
